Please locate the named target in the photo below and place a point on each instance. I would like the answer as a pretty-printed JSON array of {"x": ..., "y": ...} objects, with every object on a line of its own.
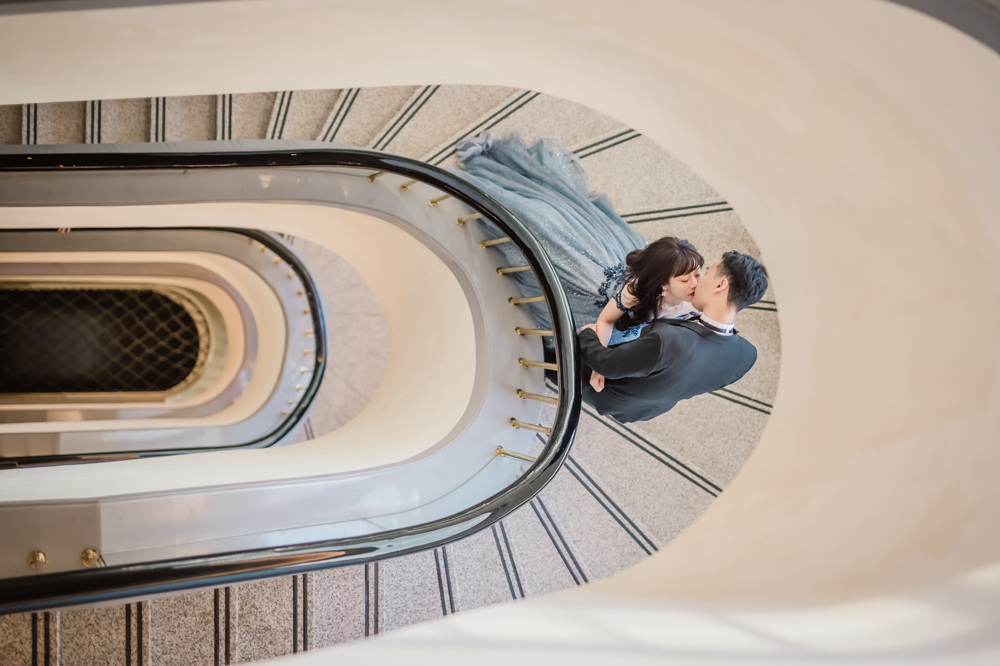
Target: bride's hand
[
  {"x": 592, "y": 327},
  {"x": 597, "y": 381}
]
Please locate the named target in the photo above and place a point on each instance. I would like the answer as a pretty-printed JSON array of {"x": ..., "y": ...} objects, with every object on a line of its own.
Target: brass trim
[
  {"x": 512, "y": 454},
  {"x": 37, "y": 557},
  {"x": 434, "y": 202},
  {"x": 530, "y": 426},
  {"x": 524, "y": 395},
  {"x": 528, "y": 299},
  {"x": 371, "y": 178},
  {"x": 468, "y": 218},
  {"x": 496, "y": 241},
  {"x": 532, "y": 331},
  {"x": 504, "y": 270},
  {"x": 525, "y": 363},
  {"x": 91, "y": 558},
  {"x": 405, "y": 187}
]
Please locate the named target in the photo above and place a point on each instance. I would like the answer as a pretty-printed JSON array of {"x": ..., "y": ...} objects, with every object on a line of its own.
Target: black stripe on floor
[
  {"x": 138, "y": 632},
  {"x": 437, "y": 567},
  {"x": 739, "y": 402},
  {"x": 674, "y": 209},
  {"x": 503, "y": 562},
  {"x": 604, "y": 144},
  {"x": 128, "y": 634},
  {"x": 215, "y": 617},
  {"x": 746, "y": 397},
  {"x": 505, "y": 112},
  {"x": 576, "y": 571},
  {"x": 603, "y": 141},
  {"x": 631, "y": 529},
  {"x": 661, "y": 456},
  {"x": 513, "y": 563},
  {"x": 159, "y": 114},
  {"x": 95, "y": 122},
  {"x": 228, "y": 619},
  {"x": 689, "y": 213},
  {"x": 447, "y": 578},
  {"x": 284, "y": 103},
  {"x": 295, "y": 614},
  {"x": 404, "y": 119},
  {"x": 343, "y": 107},
  {"x": 305, "y": 611}
]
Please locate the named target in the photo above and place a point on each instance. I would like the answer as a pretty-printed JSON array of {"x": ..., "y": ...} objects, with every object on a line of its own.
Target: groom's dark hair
[{"x": 747, "y": 278}]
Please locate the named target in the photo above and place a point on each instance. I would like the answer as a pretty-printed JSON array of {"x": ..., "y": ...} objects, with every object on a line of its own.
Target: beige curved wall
[{"x": 859, "y": 142}]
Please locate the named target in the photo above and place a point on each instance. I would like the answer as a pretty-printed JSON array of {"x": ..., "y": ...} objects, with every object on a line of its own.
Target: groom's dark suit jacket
[{"x": 670, "y": 361}]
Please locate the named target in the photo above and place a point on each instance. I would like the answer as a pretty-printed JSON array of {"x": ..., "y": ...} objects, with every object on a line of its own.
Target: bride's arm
[{"x": 612, "y": 313}]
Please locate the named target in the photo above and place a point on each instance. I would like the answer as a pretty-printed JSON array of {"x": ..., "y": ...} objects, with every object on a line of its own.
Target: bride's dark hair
[{"x": 646, "y": 271}]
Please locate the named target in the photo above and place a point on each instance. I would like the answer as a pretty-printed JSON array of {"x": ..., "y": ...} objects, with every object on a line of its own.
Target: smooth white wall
[{"x": 857, "y": 140}]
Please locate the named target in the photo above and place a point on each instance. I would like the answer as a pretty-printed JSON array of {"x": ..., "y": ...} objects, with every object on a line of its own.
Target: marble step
[
  {"x": 620, "y": 479},
  {"x": 533, "y": 114},
  {"x": 642, "y": 179},
  {"x": 704, "y": 440},
  {"x": 63, "y": 122},
  {"x": 95, "y": 121},
  {"x": 431, "y": 115},
  {"x": 10, "y": 124},
  {"x": 243, "y": 116},
  {"x": 300, "y": 114},
  {"x": 357, "y": 114},
  {"x": 184, "y": 118}
]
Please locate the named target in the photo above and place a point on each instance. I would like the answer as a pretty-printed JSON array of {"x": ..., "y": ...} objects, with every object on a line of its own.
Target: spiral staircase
[
  {"x": 809, "y": 522},
  {"x": 624, "y": 492}
]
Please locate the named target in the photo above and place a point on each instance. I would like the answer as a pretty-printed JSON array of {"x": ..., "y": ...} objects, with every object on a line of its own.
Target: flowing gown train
[{"x": 544, "y": 185}]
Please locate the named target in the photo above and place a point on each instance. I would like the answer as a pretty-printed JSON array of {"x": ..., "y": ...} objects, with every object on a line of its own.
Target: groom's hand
[{"x": 597, "y": 381}]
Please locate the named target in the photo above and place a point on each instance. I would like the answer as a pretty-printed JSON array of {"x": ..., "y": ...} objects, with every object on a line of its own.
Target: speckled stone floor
[{"x": 626, "y": 491}]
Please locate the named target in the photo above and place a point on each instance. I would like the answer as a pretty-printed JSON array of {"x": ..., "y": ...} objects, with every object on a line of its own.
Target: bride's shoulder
[{"x": 628, "y": 299}]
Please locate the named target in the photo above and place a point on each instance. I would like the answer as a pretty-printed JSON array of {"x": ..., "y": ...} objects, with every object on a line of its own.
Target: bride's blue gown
[{"x": 545, "y": 186}]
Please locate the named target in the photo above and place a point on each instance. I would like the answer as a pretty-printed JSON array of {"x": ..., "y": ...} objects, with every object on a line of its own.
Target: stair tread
[
  {"x": 639, "y": 175},
  {"x": 410, "y": 592},
  {"x": 477, "y": 571},
  {"x": 303, "y": 114},
  {"x": 434, "y": 117},
  {"x": 362, "y": 112},
  {"x": 538, "y": 115},
  {"x": 243, "y": 116}
]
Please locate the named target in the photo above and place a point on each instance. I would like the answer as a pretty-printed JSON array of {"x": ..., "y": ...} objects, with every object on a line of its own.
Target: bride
[{"x": 606, "y": 269}]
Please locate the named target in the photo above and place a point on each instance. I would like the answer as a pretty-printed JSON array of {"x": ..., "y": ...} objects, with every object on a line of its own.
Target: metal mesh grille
[{"x": 93, "y": 340}]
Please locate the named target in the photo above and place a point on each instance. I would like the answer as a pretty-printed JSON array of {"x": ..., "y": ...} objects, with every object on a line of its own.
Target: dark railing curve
[
  {"x": 32, "y": 593},
  {"x": 283, "y": 428}
]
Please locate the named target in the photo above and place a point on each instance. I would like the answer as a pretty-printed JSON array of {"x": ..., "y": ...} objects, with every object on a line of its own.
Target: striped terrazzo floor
[{"x": 626, "y": 491}]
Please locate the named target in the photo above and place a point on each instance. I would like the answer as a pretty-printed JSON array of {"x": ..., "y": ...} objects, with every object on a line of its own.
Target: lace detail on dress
[{"x": 614, "y": 282}]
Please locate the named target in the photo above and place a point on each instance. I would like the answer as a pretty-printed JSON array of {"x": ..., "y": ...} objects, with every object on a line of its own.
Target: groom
[{"x": 673, "y": 360}]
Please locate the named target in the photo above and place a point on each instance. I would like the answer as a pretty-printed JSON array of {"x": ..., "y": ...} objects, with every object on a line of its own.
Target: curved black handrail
[
  {"x": 32, "y": 593},
  {"x": 284, "y": 427}
]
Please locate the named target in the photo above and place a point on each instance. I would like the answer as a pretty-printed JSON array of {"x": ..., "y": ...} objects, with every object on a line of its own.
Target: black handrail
[
  {"x": 270, "y": 438},
  {"x": 33, "y": 593}
]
